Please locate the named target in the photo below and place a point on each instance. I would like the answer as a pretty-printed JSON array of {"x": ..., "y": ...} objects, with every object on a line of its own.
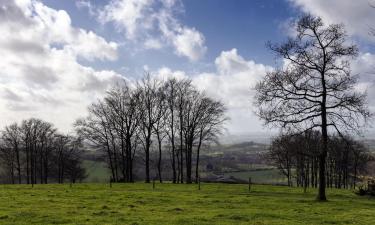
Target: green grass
[{"x": 179, "y": 204}]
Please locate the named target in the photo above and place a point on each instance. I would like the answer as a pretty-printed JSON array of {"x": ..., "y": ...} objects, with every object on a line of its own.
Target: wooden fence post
[{"x": 249, "y": 184}]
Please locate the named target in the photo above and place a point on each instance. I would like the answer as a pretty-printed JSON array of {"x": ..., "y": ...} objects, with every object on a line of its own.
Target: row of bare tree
[
  {"x": 168, "y": 117},
  {"x": 34, "y": 152},
  {"x": 297, "y": 157}
]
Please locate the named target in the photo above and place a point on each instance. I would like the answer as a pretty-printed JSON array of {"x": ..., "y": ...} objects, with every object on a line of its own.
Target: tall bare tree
[
  {"x": 149, "y": 107},
  {"x": 170, "y": 93},
  {"x": 126, "y": 115},
  {"x": 160, "y": 127},
  {"x": 12, "y": 140},
  {"x": 315, "y": 88},
  {"x": 210, "y": 125}
]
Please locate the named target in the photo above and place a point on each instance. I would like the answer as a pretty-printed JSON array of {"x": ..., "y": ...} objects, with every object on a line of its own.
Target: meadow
[{"x": 139, "y": 203}]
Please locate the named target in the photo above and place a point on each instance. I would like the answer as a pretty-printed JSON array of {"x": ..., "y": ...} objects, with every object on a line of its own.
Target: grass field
[{"x": 179, "y": 204}]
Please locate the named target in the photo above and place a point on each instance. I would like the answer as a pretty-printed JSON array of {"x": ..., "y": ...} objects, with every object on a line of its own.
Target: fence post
[
  {"x": 249, "y": 184},
  {"x": 153, "y": 184}
]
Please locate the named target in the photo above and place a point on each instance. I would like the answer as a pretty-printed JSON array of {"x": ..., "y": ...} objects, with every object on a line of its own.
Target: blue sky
[
  {"x": 242, "y": 24},
  {"x": 61, "y": 56}
]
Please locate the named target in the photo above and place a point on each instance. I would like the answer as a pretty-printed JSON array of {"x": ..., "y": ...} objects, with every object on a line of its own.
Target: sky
[{"x": 58, "y": 57}]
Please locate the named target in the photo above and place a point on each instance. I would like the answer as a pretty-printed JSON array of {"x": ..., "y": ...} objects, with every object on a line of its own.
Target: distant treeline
[
  {"x": 168, "y": 117},
  {"x": 297, "y": 157},
  {"x": 35, "y": 152}
]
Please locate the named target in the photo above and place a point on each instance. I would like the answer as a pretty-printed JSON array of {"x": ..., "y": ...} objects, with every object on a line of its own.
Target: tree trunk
[
  {"x": 148, "y": 140},
  {"x": 197, "y": 160},
  {"x": 322, "y": 163},
  {"x": 159, "y": 160},
  {"x": 173, "y": 154},
  {"x": 18, "y": 164}
]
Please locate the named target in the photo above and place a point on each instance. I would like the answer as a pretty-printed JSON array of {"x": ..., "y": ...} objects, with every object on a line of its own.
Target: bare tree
[
  {"x": 126, "y": 115},
  {"x": 171, "y": 114},
  {"x": 315, "y": 89},
  {"x": 160, "y": 127},
  {"x": 12, "y": 140},
  {"x": 170, "y": 93},
  {"x": 33, "y": 150},
  {"x": 280, "y": 155},
  {"x": 95, "y": 130},
  {"x": 295, "y": 155},
  {"x": 149, "y": 107},
  {"x": 210, "y": 124}
]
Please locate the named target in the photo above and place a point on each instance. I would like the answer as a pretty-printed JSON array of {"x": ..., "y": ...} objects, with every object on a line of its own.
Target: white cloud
[
  {"x": 128, "y": 15},
  {"x": 235, "y": 77},
  {"x": 165, "y": 73},
  {"x": 142, "y": 19},
  {"x": 153, "y": 44},
  {"x": 39, "y": 72},
  {"x": 233, "y": 83},
  {"x": 53, "y": 27},
  {"x": 189, "y": 42},
  {"x": 357, "y": 15},
  {"x": 364, "y": 66},
  {"x": 86, "y": 4}
]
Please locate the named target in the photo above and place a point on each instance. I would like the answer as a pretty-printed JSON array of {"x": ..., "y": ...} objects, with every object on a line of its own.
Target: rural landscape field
[
  {"x": 140, "y": 204},
  {"x": 141, "y": 112}
]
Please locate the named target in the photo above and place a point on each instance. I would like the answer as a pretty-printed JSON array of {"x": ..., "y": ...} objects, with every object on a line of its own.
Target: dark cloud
[
  {"x": 11, "y": 13},
  {"x": 10, "y": 95},
  {"x": 39, "y": 76},
  {"x": 22, "y": 47}
]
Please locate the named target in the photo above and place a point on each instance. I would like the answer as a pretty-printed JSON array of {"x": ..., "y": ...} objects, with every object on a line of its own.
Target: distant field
[
  {"x": 179, "y": 204},
  {"x": 97, "y": 172},
  {"x": 261, "y": 176}
]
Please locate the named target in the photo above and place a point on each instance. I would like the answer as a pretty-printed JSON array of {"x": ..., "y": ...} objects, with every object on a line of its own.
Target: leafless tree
[
  {"x": 315, "y": 88},
  {"x": 210, "y": 125},
  {"x": 295, "y": 155},
  {"x": 280, "y": 155},
  {"x": 157, "y": 115},
  {"x": 95, "y": 130},
  {"x": 170, "y": 93},
  {"x": 150, "y": 108},
  {"x": 33, "y": 151},
  {"x": 160, "y": 127},
  {"x": 126, "y": 116},
  {"x": 12, "y": 140}
]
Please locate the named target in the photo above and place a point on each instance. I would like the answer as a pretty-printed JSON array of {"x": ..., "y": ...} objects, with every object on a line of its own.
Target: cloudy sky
[{"x": 58, "y": 56}]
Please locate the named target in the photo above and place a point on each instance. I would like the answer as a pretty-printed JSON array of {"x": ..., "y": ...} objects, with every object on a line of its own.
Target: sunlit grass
[{"x": 179, "y": 204}]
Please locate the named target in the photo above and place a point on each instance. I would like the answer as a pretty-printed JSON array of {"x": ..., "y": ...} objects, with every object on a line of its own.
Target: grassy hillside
[{"x": 178, "y": 204}]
